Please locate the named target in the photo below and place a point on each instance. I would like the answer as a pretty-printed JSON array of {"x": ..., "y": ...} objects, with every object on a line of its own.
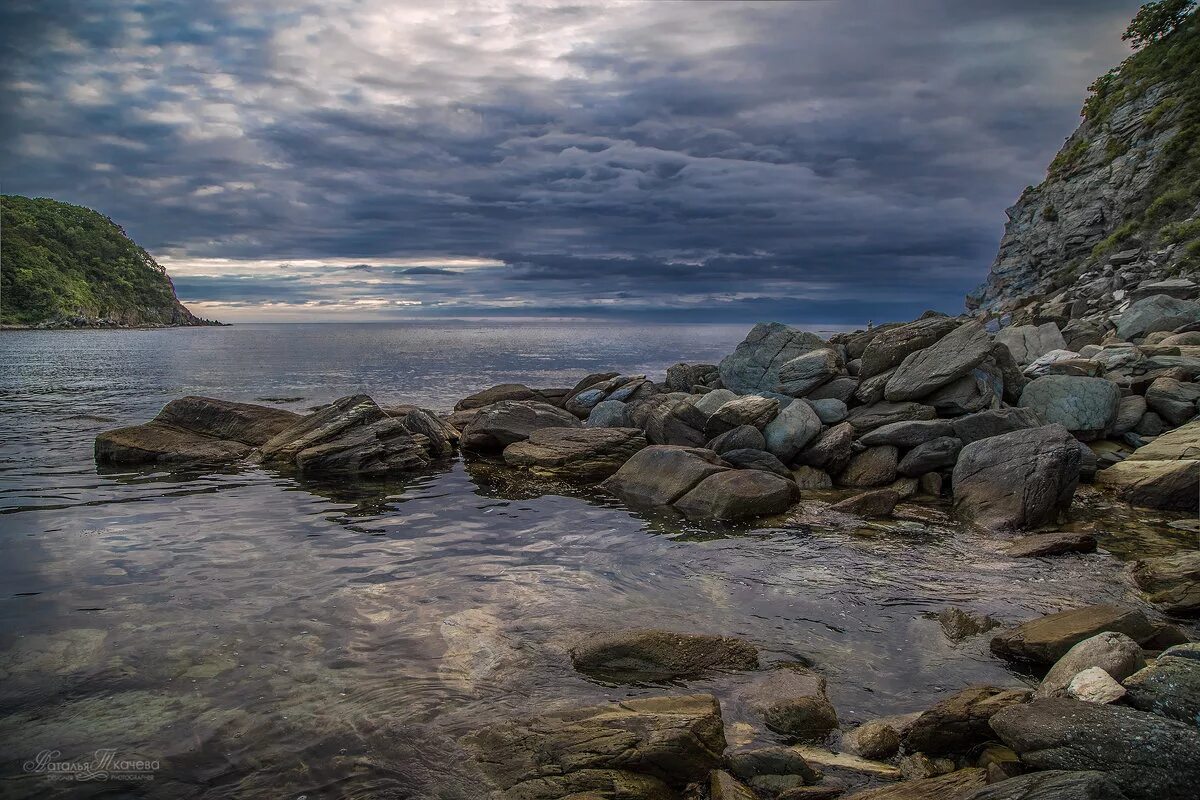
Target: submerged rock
[
  {"x": 639, "y": 656},
  {"x": 1051, "y": 544},
  {"x": 757, "y": 762},
  {"x": 879, "y": 503},
  {"x": 792, "y": 702},
  {"x": 580, "y": 454}
]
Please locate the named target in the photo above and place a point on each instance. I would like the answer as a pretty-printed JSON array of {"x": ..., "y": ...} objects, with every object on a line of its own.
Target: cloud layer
[{"x": 814, "y": 162}]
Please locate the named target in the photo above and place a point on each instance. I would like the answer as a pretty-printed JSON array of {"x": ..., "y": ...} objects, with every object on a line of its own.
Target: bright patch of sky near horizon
[{"x": 364, "y": 159}]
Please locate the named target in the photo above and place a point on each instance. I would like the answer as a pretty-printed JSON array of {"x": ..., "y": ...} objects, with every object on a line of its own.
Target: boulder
[
  {"x": 608, "y": 414},
  {"x": 811, "y": 478},
  {"x": 979, "y": 389},
  {"x": 960, "y": 722},
  {"x": 648, "y": 747},
  {"x": 1162, "y": 474},
  {"x": 1115, "y": 653},
  {"x": 682, "y": 377},
  {"x": 1181, "y": 288},
  {"x": 1055, "y": 784},
  {"x": 1018, "y": 480},
  {"x": 1150, "y": 424},
  {"x": 830, "y": 451},
  {"x": 792, "y": 702},
  {"x": 879, "y": 503},
  {"x": 1170, "y": 687},
  {"x": 806, "y": 372},
  {"x": 953, "y": 356},
  {"x": 749, "y": 458},
  {"x": 709, "y": 402},
  {"x": 957, "y": 785},
  {"x": 1189, "y": 339},
  {"x": 757, "y": 762},
  {"x": 830, "y": 411},
  {"x": 1094, "y": 685},
  {"x": 1047, "y": 639},
  {"x": 837, "y": 389},
  {"x": 1149, "y": 757},
  {"x": 1174, "y": 401},
  {"x": 1048, "y": 364},
  {"x": 958, "y": 625},
  {"x": 676, "y": 422},
  {"x": 496, "y": 394},
  {"x": 870, "y": 390},
  {"x": 578, "y": 454},
  {"x": 382, "y": 447},
  {"x": 890, "y": 347},
  {"x": 623, "y": 388},
  {"x": 875, "y": 740},
  {"x": 723, "y": 786},
  {"x": 1029, "y": 342},
  {"x": 1171, "y": 582},
  {"x": 749, "y": 410},
  {"x": 738, "y": 494},
  {"x": 931, "y": 484},
  {"x": 500, "y": 424},
  {"x": 931, "y": 456},
  {"x": 1085, "y": 406},
  {"x": 791, "y": 431},
  {"x": 868, "y": 418},
  {"x": 875, "y": 466},
  {"x": 1129, "y": 414},
  {"x": 221, "y": 419},
  {"x": 1155, "y": 313},
  {"x": 754, "y": 365},
  {"x": 661, "y": 474},
  {"x": 1051, "y": 544},
  {"x": 638, "y": 656},
  {"x": 994, "y": 422},
  {"x": 743, "y": 437},
  {"x": 1009, "y": 371},
  {"x": 443, "y": 437},
  {"x": 908, "y": 434}
]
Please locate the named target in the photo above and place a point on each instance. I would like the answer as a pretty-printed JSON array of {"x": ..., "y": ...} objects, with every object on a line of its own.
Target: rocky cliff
[
  {"x": 1120, "y": 205},
  {"x": 67, "y": 266}
]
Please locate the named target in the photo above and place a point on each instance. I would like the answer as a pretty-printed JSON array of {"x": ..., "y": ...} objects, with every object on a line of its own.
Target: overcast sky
[{"x": 809, "y": 162}]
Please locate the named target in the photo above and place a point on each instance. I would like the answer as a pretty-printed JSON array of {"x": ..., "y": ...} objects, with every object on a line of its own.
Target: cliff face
[
  {"x": 1121, "y": 200},
  {"x": 67, "y": 266}
]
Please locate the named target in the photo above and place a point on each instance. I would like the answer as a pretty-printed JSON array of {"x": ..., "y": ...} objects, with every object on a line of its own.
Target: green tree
[{"x": 1157, "y": 20}]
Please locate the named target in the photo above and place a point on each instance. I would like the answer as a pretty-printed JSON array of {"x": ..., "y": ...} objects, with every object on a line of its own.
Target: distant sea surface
[{"x": 253, "y": 635}]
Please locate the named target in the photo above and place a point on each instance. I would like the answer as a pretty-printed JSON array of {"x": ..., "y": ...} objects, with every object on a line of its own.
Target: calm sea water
[{"x": 252, "y": 635}]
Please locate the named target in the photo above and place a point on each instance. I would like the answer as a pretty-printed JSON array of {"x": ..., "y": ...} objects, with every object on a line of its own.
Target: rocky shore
[{"x": 999, "y": 424}]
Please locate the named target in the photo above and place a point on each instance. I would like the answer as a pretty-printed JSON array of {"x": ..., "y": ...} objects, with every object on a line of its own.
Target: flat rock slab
[
  {"x": 1170, "y": 582},
  {"x": 890, "y": 347},
  {"x": 241, "y": 422},
  {"x": 869, "y": 417},
  {"x": 1168, "y": 485},
  {"x": 1149, "y": 757},
  {"x": 1047, "y": 639},
  {"x": 823, "y": 759},
  {"x": 495, "y": 394},
  {"x": 1051, "y": 544},
  {"x": 908, "y": 434},
  {"x": 580, "y": 454},
  {"x": 640, "y": 656},
  {"x": 953, "y": 356}
]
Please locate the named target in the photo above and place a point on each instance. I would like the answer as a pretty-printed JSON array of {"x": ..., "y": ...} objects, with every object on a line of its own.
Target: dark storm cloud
[{"x": 823, "y": 161}]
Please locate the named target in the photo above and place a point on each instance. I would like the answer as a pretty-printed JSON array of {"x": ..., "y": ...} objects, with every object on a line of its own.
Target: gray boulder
[
  {"x": 837, "y": 389},
  {"x": 382, "y": 447},
  {"x": 639, "y": 656},
  {"x": 908, "y": 434},
  {"x": 868, "y": 418},
  {"x": 994, "y": 422},
  {"x": 870, "y": 390},
  {"x": 608, "y": 414},
  {"x": 1027, "y": 343},
  {"x": 756, "y": 459},
  {"x": 1046, "y": 639},
  {"x": 496, "y": 394},
  {"x": 682, "y": 377},
  {"x": 1018, "y": 480},
  {"x": 791, "y": 431},
  {"x": 830, "y": 451},
  {"x": 500, "y": 424},
  {"x": 1171, "y": 582},
  {"x": 709, "y": 402},
  {"x": 1174, "y": 401},
  {"x": 743, "y": 437},
  {"x": 738, "y": 494},
  {"x": 748, "y": 410},
  {"x": 979, "y": 389},
  {"x": 890, "y": 347},
  {"x": 1113, "y": 652},
  {"x": 1156, "y": 313},
  {"x": 1129, "y": 414},
  {"x": 1149, "y": 757},
  {"x": 877, "y": 503},
  {"x": 931, "y": 456},
  {"x": 676, "y": 422},
  {"x": 953, "y": 356},
  {"x": 807, "y": 477},
  {"x": 830, "y": 411},
  {"x": 579, "y": 454},
  {"x": 659, "y": 475},
  {"x": 875, "y": 466},
  {"x": 806, "y": 372},
  {"x": 1171, "y": 687},
  {"x": 1054, "y": 784},
  {"x": 1085, "y": 406},
  {"x": 754, "y": 365}
]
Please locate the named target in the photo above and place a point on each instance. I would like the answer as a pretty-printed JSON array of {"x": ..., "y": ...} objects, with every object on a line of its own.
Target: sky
[{"x": 811, "y": 162}]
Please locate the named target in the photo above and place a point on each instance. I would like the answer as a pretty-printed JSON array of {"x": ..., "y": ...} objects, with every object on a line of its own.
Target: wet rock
[
  {"x": 1146, "y": 755},
  {"x": 1051, "y": 544},
  {"x": 1162, "y": 474},
  {"x": 1018, "y": 480},
  {"x": 1085, "y": 406},
  {"x": 749, "y": 458},
  {"x": 831, "y": 451},
  {"x": 740, "y": 438},
  {"x": 811, "y": 478},
  {"x": 994, "y": 422},
  {"x": 822, "y": 792},
  {"x": 806, "y": 372},
  {"x": 879, "y": 503},
  {"x": 1053, "y": 785},
  {"x": 1156, "y": 313},
  {"x": 916, "y": 766},
  {"x": 723, "y": 786},
  {"x": 1174, "y": 401},
  {"x": 749, "y": 410},
  {"x": 1170, "y": 582},
  {"x": 622, "y": 388},
  {"x": 830, "y": 411},
  {"x": 676, "y": 422},
  {"x": 868, "y": 418},
  {"x": 956, "y": 785},
  {"x": 739, "y": 494},
  {"x": 1115, "y": 653},
  {"x": 931, "y": 456},
  {"x": 791, "y": 431},
  {"x": 500, "y": 424},
  {"x": 905, "y": 487},
  {"x": 579, "y": 454},
  {"x": 442, "y": 437},
  {"x": 959, "y": 625},
  {"x": 891, "y": 346},
  {"x": 754, "y": 365},
  {"x": 638, "y": 656},
  {"x": 793, "y": 703},
  {"x": 908, "y": 434},
  {"x": 660, "y": 474},
  {"x": 1047, "y": 639},
  {"x": 646, "y": 747},
  {"x": 875, "y": 466},
  {"x": 1094, "y": 685},
  {"x": 875, "y": 740},
  {"x": 608, "y": 414},
  {"x": 1170, "y": 687},
  {"x": 960, "y": 722},
  {"x": 1029, "y": 342},
  {"x": 953, "y": 356},
  {"x": 240, "y": 422},
  {"x": 383, "y": 447},
  {"x": 496, "y": 394},
  {"x": 756, "y": 762}
]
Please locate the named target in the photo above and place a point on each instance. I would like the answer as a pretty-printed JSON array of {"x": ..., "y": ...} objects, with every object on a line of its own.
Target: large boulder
[
  {"x": 953, "y": 356},
  {"x": 443, "y": 437},
  {"x": 1162, "y": 474},
  {"x": 960, "y": 722},
  {"x": 1173, "y": 400},
  {"x": 908, "y": 434},
  {"x": 994, "y": 422},
  {"x": 1053, "y": 784},
  {"x": 639, "y": 656},
  {"x": 1027, "y": 343},
  {"x": 1018, "y": 480},
  {"x": 1053, "y": 543},
  {"x": 934, "y": 455},
  {"x": 661, "y": 474},
  {"x": 639, "y": 748},
  {"x": 1047, "y": 639},
  {"x": 791, "y": 431},
  {"x": 1171, "y": 686},
  {"x": 748, "y": 458},
  {"x": 830, "y": 451},
  {"x": 739, "y": 494},
  {"x": 608, "y": 414},
  {"x": 197, "y": 430},
  {"x": 979, "y": 389},
  {"x": 496, "y": 394},
  {"x": 743, "y": 437},
  {"x": 1156, "y": 313},
  {"x": 676, "y": 422},
  {"x": 1113, "y": 652},
  {"x": 754, "y": 365},
  {"x": 682, "y": 377},
  {"x": 875, "y": 466},
  {"x": 579, "y": 454},
  {"x": 841, "y": 388},
  {"x": 623, "y": 388},
  {"x": 749, "y": 410},
  {"x": 709, "y": 402},
  {"x": 830, "y": 411},
  {"x": 806, "y": 372},
  {"x": 792, "y": 702},
  {"x": 869, "y": 417},
  {"x": 956, "y": 785},
  {"x": 1129, "y": 414},
  {"x": 1171, "y": 582},
  {"x": 500, "y": 424},
  {"x": 1149, "y": 757},
  {"x": 890, "y": 347},
  {"x": 1085, "y": 406}
]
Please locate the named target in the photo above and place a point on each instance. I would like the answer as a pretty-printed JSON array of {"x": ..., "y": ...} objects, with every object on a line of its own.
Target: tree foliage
[{"x": 1156, "y": 20}]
